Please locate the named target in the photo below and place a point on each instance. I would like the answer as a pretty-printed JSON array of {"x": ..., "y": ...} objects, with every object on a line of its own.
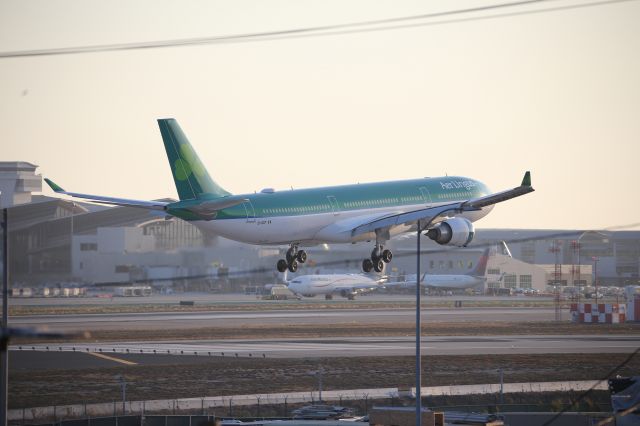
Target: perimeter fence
[{"x": 200, "y": 411}]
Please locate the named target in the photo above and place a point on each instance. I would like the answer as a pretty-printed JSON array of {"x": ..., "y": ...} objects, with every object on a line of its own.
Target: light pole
[
  {"x": 320, "y": 371},
  {"x": 418, "y": 314},
  {"x": 501, "y": 387},
  {"x": 319, "y": 374},
  {"x": 73, "y": 207},
  {"x": 320, "y": 384},
  {"x": 418, "y": 325},
  {"x": 123, "y": 386},
  {"x": 4, "y": 362},
  {"x": 7, "y": 333},
  {"x": 575, "y": 270},
  {"x": 595, "y": 274}
]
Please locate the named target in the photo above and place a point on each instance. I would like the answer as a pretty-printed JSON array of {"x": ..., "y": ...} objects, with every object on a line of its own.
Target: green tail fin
[{"x": 190, "y": 176}]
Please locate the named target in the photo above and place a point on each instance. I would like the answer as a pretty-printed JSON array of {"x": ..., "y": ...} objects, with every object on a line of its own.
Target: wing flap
[
  {"x": 404, "y": 218},
  {"x": 346, "y": 226}
]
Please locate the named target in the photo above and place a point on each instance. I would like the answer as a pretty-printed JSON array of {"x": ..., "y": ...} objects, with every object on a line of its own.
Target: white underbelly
[
  {"x": 309, "y": 229},
  {"x": 269, "y": 230}
]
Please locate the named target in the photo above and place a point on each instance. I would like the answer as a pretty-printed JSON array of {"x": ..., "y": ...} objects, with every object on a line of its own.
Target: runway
[
  {"x": 188, "y": 320},
  {"x": 248, "y": 299},
  {"x": 330, "y": 347}
]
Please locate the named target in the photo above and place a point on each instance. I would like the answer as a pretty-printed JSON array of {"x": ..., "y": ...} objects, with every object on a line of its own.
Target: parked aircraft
[
  {"x": 350, "y": 285},
  {"x": 473, "y": 279},
  {"x": 445, "y": 208},
  {"x": 346, "y": 285}
]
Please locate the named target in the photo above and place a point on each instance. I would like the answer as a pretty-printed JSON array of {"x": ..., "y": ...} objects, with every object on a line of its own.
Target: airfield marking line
[{"x": 112, "y": 358}]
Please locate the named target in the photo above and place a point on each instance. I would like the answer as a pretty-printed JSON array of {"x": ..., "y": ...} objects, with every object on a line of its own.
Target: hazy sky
[{"x": 556, "y": 93}]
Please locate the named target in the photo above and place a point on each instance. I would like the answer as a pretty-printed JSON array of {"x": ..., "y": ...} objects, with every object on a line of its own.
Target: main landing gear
[
  {"x": 293, "y": 257},
  {"x": 379, "y": 256}
]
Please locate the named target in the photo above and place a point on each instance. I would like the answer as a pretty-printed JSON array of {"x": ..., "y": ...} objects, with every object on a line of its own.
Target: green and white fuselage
[
  {"x": 329, "y": 214},
  {"x": 444, "y": 206}
]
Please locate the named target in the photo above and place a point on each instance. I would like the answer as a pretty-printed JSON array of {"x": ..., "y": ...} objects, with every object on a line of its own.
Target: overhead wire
[
  {"x": 316, "y": 31},
  {"x": 442, "y": 22}
]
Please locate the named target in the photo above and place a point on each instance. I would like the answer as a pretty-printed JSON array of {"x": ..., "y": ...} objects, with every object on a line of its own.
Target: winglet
[
  {"x": 53, "y": 185},
  {"x": 526, "y": 180}
]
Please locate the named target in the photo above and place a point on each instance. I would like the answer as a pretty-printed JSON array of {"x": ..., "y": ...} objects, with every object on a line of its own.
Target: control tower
[{"x": 18, "y": 179}]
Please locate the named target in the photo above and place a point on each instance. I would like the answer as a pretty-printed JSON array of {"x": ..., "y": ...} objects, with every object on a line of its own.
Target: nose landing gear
[{"x": 293, "y": 257}]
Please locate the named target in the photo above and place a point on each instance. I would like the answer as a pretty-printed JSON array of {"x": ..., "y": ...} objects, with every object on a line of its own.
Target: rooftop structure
[{"x": 18, "y": 179}]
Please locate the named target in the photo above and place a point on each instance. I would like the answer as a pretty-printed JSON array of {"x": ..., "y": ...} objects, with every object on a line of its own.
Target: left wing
[
  {"x": 358, "y": 287},
  {"x": 433, "y": 212},
  {"x": 205, "y": 209},
  {"x": 362, "y": 286},
  {"x": 150, "y": 205}
]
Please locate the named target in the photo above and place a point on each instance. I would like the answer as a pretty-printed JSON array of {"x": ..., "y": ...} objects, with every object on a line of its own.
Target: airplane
[
  {"x": 445, "y": 207},
  {"x": 450, "y": 281},
  {"x": 346, "y": 285},
  {"x": 349, "y": 285}
]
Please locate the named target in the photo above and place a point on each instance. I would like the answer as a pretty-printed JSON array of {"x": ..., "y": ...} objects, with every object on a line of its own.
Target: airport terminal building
[{"x": 55, "y": 241}]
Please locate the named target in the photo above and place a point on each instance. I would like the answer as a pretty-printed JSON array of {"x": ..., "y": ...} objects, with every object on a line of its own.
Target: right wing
[
  {"x": 433, "y": 212},
  {"x": 524, "y": 188}
]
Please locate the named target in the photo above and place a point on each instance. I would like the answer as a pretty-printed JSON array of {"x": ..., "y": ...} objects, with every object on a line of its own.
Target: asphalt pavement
[
  {"x": 186, "y": 320},
  {"x": 118, "y": 353}
]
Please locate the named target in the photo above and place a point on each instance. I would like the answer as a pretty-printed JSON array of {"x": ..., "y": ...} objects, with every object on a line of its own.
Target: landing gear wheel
[
  {"x": 375, "y": 255},
  {"x": 293, "y": 266},
  {"x": 367, "y": 265},
  {"x": 291, "y": 255},
  {"x": 328, "y": 297},
  {"x": 302, "y": 256},
  {"x": 351, "y": 296},
  {"x": 387, "y": 256},
  {"x": 379, "y": 265},
  {"x": 282, "y": 265}
]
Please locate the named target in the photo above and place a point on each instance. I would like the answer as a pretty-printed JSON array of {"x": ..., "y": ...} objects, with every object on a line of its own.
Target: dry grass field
[{"x": 196, "y": 377}]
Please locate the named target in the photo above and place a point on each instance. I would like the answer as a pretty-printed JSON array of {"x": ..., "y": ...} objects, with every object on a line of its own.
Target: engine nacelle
[{"x": 457, "y": 231}]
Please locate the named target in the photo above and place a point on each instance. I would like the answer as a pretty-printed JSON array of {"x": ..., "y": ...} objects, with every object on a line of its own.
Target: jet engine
[
  {"x": 456, "y": 231},
  {"x": 349, "y": 294}
]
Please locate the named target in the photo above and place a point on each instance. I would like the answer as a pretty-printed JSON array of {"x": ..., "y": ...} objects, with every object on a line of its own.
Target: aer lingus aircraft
[{"x": 306, "y": 217}]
